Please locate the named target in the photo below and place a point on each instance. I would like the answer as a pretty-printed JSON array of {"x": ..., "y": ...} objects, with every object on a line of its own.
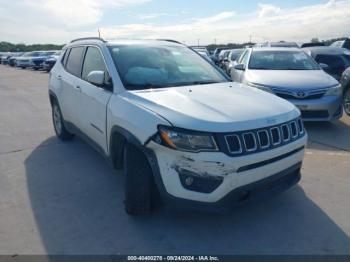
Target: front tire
[
  {"x": 346, "y": 101},
  {"x": 138, "y": 182},
  {"x": 58, "y": 123}
]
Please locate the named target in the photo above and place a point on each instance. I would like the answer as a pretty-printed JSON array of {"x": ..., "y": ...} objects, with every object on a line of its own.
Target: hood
[
  {"x": 292, "y": 79},
  {"x": 222, "y": 107}
]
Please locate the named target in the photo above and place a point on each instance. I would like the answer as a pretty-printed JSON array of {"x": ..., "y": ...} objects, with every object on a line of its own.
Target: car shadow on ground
[
  {"x": 329, "y": 135},
  {"x": 77, "y": 203}
]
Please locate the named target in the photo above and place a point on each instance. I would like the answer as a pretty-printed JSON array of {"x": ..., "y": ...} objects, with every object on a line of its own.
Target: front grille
[
  {"x": 288, "y": 96},
  {"x": 253, "y": 141},
  {"x": 300, "y": 94},
  {"x": 314, "y": 114}
]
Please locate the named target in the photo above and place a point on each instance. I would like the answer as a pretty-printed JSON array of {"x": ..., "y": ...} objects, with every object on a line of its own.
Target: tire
[
  {"x": 58, "y": 123},
  {"x": 139, "y": 184},
  {"x": 346, "y": 101}
]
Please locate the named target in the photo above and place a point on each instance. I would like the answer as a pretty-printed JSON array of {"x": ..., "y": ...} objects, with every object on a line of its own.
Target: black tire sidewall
[
  {"x": 138, "y": 181},
  {"x": 64, "y": 135}
]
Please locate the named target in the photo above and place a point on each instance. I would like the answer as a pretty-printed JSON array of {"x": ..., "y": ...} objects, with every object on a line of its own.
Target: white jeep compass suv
[{"x": 175, "y": 124}]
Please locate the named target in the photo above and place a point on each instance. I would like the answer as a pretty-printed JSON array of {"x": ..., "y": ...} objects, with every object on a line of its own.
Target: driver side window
[{"x": 94, "y": 62}]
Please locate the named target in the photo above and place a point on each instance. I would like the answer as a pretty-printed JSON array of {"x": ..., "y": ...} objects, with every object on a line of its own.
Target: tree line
[{"x": 10, "y": 47}]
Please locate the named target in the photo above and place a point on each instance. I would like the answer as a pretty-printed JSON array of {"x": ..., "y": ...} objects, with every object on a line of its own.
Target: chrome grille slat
[
  {"x": 245, "y": 139},
  {"x": 278, "y": 136},
  {"x": 267, "y": 137},
  {"x": 240, "y": 150},
  {"x": 294, "y": 129},
  {"x": 288, "y": 132},
  {"x": 250, "y": 141}
]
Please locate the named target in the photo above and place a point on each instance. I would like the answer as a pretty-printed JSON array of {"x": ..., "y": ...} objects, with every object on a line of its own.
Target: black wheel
[
  {"x": 139, "y": 184},
  {"x": 58, "y": 123},
  {"x": 346, "y": 102}
]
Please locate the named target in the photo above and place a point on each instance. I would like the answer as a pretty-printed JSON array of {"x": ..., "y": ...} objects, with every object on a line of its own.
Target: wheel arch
[
  {"x": 52, "y": 97},
  {"x": 118, "y": 137}
]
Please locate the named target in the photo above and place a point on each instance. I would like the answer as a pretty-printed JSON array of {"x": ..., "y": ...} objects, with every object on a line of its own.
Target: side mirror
[
  {"x": 240, "y": 67},
  {"x": 324, "y": 66},
  {"x": 96, "y": 78},
  {"x": 225, "y": 59}
]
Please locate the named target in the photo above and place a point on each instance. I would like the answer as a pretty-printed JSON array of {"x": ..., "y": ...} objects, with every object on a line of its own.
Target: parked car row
[{"x": 36, "y": 60}]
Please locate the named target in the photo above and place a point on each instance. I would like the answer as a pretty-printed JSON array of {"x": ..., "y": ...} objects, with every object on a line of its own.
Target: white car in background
[
  {"x": 175, "y": 124},
  {"x": 25, "y": 60}
]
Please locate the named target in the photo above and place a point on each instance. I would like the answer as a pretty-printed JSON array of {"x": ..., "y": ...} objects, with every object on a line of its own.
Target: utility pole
[
  {"x": 250, "y": 38},
  {"x": 198, "y": 41},
  {"x": 215, "y": 41},
  {"x": 99, "y": 33}
]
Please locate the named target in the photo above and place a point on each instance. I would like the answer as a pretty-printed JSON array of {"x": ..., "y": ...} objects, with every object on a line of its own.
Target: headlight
[
  {"x": 186, "y": 140},
  {"x": 261, "y": 87},
  {"x": 335, "y": 91}
]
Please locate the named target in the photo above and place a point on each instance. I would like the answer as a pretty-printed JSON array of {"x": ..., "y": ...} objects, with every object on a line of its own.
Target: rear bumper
[{"x": 327, "y": 108}]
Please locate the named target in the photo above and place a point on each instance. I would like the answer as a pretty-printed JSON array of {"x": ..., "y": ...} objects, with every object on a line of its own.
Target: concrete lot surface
[{"x": 63, "y": 198}]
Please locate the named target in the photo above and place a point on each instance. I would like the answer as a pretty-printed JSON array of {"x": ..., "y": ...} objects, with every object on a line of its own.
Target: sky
[{"x": 189, "y": 21}]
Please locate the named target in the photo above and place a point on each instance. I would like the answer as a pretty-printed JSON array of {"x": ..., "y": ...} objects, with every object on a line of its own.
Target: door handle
[
  {"x": 77, "y": 87},
  {"x": 59, "y": 77}
]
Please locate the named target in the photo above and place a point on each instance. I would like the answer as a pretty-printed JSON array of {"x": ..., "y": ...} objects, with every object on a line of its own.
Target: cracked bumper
[{"x": 217, "y": 165}]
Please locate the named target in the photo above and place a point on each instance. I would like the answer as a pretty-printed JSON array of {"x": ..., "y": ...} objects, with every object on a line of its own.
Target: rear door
[
  {"x": 336, "y": 64},
  {"x": 94, "y": 99},
  {"x": 70, "y": 78}
]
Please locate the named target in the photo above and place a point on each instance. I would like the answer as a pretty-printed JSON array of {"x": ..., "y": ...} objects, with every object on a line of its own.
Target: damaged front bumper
[{"x": 214, "y": 179}]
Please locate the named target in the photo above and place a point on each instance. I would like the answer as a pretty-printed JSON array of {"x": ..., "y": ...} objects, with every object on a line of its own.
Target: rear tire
[
  {"x": 138, "y": 182},
  {"x": 346, "y": 101},
  {"x": 58, "y": 123}
]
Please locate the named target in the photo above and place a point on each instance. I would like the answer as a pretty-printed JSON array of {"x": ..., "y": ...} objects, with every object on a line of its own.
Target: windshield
[
  {"x": 282, "y": 60},
  {"x": 235, "y": 54},
  {"x": 147, "y": 66},
  {"x": 49, "y": 53}
]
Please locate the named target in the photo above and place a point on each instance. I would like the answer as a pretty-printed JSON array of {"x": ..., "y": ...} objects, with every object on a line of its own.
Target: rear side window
[
  {"x": 94, "y": 62},
  {"x": 347, "y": 44},
  {"x": 65, "y": 57},
  {"x": 74, "y": 61},
  {"x": 332, "y": 61}
]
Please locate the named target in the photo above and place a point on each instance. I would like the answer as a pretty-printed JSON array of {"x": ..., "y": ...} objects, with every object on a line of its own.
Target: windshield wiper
[
  {"x": 143, "y": 86},
  {"x": 198, "y": 83}
]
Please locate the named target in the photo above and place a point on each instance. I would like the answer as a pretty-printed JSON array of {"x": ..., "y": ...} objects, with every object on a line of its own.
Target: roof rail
[
  {"x": 88, "y": 38},
  {"x": 170, "y": 40}
]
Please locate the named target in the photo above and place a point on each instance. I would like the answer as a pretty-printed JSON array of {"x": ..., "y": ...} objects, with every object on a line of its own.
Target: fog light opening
[{"x": 189, "y": 181}]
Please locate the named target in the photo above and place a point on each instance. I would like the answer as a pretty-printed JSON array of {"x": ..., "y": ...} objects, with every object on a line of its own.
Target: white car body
[{"x": 216, "y": 108}]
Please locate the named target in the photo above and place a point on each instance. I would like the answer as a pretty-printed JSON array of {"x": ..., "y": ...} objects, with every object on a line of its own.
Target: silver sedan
[{"x": 293, "y": 75}]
